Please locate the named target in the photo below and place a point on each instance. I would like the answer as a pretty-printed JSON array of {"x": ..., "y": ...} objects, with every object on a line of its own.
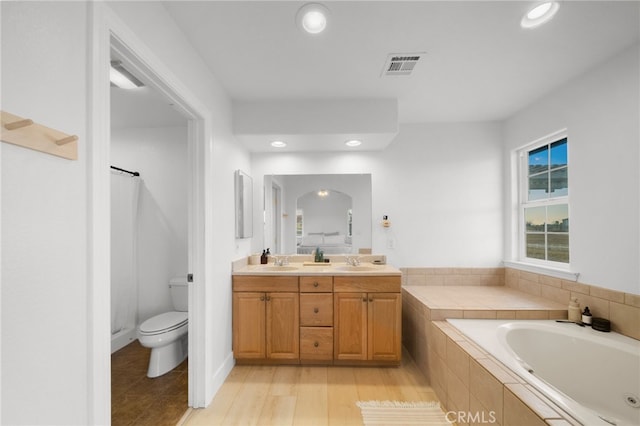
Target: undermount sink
[
  {"x": 279, "y": 268},
  {"x": 355, "y": 268}
]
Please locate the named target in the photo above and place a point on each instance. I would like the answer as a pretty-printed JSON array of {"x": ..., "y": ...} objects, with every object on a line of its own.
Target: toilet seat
[{"x": 163, "y": 323}]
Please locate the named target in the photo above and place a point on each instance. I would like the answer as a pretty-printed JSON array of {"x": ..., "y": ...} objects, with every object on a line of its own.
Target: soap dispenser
[
  {"x": 586, "y": 316},
  {"x": 263, "y": 258},
  {"x": 574, "y": 310}
]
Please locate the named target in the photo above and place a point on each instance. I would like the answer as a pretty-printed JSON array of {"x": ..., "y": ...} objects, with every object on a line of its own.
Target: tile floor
[{"x": 139, "y": 400}]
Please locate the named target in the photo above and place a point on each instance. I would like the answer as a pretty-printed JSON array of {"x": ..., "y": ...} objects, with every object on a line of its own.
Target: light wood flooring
[{"x": 308, "y": 395}]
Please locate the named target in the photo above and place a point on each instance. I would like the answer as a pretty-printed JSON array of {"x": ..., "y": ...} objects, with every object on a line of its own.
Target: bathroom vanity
[{"x": 331, "y": 314}]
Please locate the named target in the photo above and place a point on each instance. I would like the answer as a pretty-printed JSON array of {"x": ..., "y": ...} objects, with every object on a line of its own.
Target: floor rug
[{"x": 402, "y": 413}]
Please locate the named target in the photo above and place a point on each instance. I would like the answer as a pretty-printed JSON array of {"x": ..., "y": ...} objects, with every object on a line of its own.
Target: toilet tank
[{"x": 179, "y": 293}]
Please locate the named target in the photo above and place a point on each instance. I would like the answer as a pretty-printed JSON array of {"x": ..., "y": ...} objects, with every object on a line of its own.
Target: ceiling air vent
[{"x": 401, "y": 63}]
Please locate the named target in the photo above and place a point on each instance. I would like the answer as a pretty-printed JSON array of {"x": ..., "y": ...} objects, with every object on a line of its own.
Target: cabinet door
[
  {"x": 248, "y": 325},
  {"x": 384, "y": 326},
  {"x": 350, "y": 326},
  {"x": 283, "y": 326}
]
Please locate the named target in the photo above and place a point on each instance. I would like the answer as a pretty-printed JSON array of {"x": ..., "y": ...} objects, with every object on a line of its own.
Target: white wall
[
  {"x": 45, "y": 339},
  {"x": 160, "y": 156},
  {"x": 601, "y": 113},
  {"x": 440, "y": 185},
  {"x": 154, "y": 27},
  {"x": 44, "y": 218}
]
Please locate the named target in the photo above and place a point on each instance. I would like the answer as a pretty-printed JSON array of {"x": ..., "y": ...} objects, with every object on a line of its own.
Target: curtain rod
[{"x": 125, "y": 171}]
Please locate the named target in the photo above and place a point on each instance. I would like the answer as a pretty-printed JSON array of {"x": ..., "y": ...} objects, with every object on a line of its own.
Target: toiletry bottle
[
  {"x": 574, "y": 310},
  {"x": 263, "y": 258},
  {"x": 586, "y": 316},
  {"x": 267, "y": 254},
  {"x": 317, "y": 256}
]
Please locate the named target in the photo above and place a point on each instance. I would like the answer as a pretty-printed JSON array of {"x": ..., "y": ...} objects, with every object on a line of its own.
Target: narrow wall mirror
[{"x": 244, "y": 204}]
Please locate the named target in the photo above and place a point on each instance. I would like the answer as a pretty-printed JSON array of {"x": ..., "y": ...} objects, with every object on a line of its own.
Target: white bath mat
[{"x": 402, "y": 413}]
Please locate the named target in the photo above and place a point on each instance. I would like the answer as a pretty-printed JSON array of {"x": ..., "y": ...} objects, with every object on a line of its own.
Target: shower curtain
[{"x": 124, "y": 225}]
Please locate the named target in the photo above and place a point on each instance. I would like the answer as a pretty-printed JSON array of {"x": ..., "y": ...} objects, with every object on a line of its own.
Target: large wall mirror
[{"x": 305, "y": 212}]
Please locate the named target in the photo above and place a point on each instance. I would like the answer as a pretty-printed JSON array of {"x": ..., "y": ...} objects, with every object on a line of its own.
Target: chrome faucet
[
  {"x": 281, "y": 260},
  {"x": 353, "y": 260}
]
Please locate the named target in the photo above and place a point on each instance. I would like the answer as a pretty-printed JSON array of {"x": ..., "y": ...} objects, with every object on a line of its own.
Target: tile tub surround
[
  {"x": 622, "y": 309},
  {"x": 469, "y": 380},
  {"x": 423, "y": 304}
]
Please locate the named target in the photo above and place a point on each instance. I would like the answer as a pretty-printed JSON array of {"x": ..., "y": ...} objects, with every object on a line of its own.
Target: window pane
[
  {"x": 558, "y": 247},
  {"x": 535, "y": 246},
  {"x": 535, "y": 219},
  {"x": 559, "y": 153},
  {"x": 559, "y": 182},
  {"x": 539, "y": 160},
  {"x": 539, "y": 186},
  {"x": 558, "y": 218}
]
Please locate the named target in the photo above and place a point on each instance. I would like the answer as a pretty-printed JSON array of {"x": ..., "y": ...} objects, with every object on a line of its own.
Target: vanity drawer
[
  {"x": 316, "y": 309},
  {"x": 316, "y": 343},
  {"x": 316, "y": 284}
]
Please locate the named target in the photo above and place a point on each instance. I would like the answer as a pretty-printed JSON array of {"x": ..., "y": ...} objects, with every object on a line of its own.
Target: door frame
[{"x": 107, "y": 31}]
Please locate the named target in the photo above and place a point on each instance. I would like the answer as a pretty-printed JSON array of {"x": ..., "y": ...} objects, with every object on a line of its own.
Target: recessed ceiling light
[
  {"x": 278, "y": 144},
  {"x": 539, "y": 14},
  {"x": 353, "y": 142},
  {"x": 313, "y": 18}
]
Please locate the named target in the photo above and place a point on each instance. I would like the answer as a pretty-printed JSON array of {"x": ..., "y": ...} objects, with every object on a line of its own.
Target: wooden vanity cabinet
[
  {"x": 367, "y": 319},
  {"x": 266, "y": 319},
  {"x": 316, "y": 319}
]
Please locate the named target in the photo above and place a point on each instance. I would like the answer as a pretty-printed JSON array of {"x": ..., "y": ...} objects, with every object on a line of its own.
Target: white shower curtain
[{"x": 124, "y": 226}]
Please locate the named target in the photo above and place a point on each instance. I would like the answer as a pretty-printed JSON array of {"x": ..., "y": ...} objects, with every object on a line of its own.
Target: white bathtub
[{"x": 593, "y": 376}]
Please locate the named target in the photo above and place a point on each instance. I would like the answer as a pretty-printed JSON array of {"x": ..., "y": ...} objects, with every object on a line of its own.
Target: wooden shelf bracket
[{"x": 24, "y": 132}]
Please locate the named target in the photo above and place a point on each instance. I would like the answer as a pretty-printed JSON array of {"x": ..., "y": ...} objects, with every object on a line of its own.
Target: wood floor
[
  {"x": 140, "y": 401},
  {"x": 306, "y": 395}
]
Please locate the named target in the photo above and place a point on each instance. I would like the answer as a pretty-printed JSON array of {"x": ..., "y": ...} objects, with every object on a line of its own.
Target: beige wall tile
[
  {"x": 416, "y": 280},
  {"x": 529, "y": 276},
  {"x": 505, "y": 314},
  {"x": 632, "y": 299},
  {"x": 556, "y": 294},
  {"x": 477, "y": 314},
  {"x": 443, "y": 314},
  {"x": 473, "y": 350},
  {"x": 605, "y": 293},
  {"x": 575, "y": 287},
  {"x": 551, "y": 281},
  {"x": 529, "y": 287},
  {"x": 625, "y": 319},
  {"x": 482, "y": 416},
  {"x": 517, "y": 413},
  {"x": 558, "y": 314},
  {"x": 532, "y": 314},
  {"x": 434, "y": 279},
  {"x": 598, "y": 307},
  {"x": 537, "y": 405},
  {"x": 439, "y": 341},
  {"x": 497, "y": 371},
  {"x": 457, "y": 392},
  {"x": 486, "y": 388},
  {"x": 454, "y": 280},
  {"x": 458, "y": 361}
]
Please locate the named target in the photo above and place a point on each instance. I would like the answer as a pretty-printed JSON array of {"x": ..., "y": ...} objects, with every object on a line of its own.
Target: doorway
[{"x": 110, "y": 33}]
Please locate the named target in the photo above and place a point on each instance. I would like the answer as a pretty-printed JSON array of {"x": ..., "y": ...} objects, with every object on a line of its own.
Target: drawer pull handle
[
  {"x": 316, "y": 284},
  {"x": 316, "y": 310},
  {"x": 316, "y": 344}
]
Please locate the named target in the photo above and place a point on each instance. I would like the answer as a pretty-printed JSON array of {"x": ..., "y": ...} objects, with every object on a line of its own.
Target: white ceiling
[{"x": 479, "y": 64}]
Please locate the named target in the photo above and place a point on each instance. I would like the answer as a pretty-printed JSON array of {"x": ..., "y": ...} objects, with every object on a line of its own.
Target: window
[
  {"x": 544, "y": 206},
  {"x": 299, "y": 227}
]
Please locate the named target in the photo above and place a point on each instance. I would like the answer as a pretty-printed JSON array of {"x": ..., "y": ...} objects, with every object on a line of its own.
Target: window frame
[{"x": 524, "y": 202}]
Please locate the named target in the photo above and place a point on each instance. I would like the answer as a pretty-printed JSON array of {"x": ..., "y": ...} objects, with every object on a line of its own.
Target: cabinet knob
[
  {"x": 371, "y": 299},
  {"x": 364, "y": 299},
  {"x": 268, "y": 298},
  {"x": 316, "y": 284},
  {"x": 262, "y": 298},
  {"x": 316, "y": 310},
  {"x": 316, "y": 344}
]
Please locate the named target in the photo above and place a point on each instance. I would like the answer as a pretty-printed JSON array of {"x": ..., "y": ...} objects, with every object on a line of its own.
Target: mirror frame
[{"x": 243, "y": 204}]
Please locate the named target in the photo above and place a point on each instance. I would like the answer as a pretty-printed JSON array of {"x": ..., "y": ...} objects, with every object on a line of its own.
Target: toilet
[{"x": 166, "y": 334}]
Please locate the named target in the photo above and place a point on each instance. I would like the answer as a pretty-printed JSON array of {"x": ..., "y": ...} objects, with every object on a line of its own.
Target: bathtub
[{"x": 593, "y": 376}]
